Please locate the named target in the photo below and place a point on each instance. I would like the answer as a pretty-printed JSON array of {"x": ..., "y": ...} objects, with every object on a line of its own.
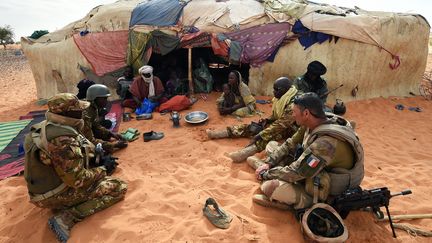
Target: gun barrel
[
  {"x": 403, "y": 193},
  {"x": 330, "y": 91}
]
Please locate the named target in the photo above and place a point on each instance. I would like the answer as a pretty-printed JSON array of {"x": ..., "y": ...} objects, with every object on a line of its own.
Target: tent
[{"x": 374, "y": 53}]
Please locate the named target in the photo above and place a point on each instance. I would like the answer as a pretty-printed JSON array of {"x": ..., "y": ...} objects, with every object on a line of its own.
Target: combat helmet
[
  {"x": 97, "y": 90},
  {"x": 321, "y": 223}
]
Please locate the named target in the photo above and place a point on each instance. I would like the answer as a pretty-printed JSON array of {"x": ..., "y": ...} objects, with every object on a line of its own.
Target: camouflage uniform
[
  {"x": 303, "y": 86},
  {"x": 63, "y": 162},
  {"x": 293, "y": 184},
  {"x": 276, "y": 129},
  {"x": 94, "y": 131}
]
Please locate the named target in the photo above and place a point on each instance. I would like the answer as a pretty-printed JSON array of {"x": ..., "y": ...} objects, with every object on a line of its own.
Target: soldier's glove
[{"x": 109, "y": 163}]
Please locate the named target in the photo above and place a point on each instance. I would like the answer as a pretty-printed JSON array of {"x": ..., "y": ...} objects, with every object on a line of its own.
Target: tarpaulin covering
[
  {"x": 219, "y": 47},
  {"x": 105, "y": 51},
  {"x": 163, "y": 43},
  {"x": 157, "y": 13},
  {"x": 363, "y": 28},
  {"x": 307, "y": 37},
  {"x": 259, "y": 43},
  {"x": 137, "y": 49},
  {"x": 198, "y": 39}
]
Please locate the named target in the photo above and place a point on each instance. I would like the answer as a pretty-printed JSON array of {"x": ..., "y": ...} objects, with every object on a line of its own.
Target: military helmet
[
  {"x": 64, "y": 102},
  {"x": 339, "y": 108},
  {"x": 97, "y": 90},
  {"x": 321, "y": 223}
]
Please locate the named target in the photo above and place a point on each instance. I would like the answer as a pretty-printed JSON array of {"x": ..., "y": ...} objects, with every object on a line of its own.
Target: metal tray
[{"x": 196, "y": 117}]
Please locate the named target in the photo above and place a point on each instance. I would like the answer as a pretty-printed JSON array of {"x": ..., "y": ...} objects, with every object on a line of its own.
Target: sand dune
[{"x": 170, "y": 179}]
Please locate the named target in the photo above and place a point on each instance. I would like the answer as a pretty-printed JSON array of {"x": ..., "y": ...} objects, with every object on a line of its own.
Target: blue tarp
[
  {"x": 157, "y": 13},
  {"x": 308, "y": 38}
]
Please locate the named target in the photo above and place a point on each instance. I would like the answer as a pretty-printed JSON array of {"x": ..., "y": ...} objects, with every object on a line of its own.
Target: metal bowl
[{"x": 196, "y": 117}]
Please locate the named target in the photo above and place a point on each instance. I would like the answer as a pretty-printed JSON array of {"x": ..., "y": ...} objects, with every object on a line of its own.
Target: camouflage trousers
[
  {"x": 290, "y": 193},
  {"x": 244, "y": 131},
  {"x": 82, "y": 203}
]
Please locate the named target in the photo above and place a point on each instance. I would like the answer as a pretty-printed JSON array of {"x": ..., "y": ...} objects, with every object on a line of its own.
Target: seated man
[
  {"x": 279, "y": 126},
  {"x": 312, "y": 81},
  {"x": 56, "y": 171},
  {"x": 124, "y": 83},
  {"x": 83, "y": 86},
  {"x": 93, "y": 130},
  {"x": 330, "y": 155},
  {"x": 146, "y": 86}
]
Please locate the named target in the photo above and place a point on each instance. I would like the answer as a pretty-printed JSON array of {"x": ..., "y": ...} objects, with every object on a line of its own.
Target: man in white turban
[{"x": 147, "y": 86}]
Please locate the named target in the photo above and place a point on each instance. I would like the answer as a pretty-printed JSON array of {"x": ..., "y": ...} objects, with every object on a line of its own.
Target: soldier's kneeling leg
[
  {"x": 106, "y": 193},
  {"x": 289, "y": 193}
]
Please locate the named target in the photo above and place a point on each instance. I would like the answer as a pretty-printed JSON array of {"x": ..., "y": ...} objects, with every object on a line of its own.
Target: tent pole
[{"x": 191, "y": 86}]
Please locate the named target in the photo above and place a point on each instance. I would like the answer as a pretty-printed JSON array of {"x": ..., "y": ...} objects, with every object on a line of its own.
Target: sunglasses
[{"x": 147, "y": 75}]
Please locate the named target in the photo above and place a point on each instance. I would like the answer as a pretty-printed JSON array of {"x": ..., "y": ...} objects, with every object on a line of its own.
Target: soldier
[
  {"x": 312, "y": 81},
  {"x": 277, "y": 127},
  {"x": 93, "y": 130},
  {"x": 328, "y": 162},
  {"x": 55, "y": 168}
]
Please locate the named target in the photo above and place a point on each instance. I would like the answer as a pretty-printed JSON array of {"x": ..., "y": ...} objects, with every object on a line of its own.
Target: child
[
  {"x": 229, "y": 96},
  {"x": 229, "y": 99}
]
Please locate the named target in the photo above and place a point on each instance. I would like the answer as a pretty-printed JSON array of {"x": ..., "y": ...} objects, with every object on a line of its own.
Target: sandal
[{"x": 216, "y": 215}]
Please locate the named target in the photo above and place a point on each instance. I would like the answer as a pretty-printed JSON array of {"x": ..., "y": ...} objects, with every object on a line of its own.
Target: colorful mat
[
  {"x": 115, "y": 115},
  {"x": 14, "y": 168},
  {"x": 12, "y": 156},
  {"x": 9, "y": 130}
]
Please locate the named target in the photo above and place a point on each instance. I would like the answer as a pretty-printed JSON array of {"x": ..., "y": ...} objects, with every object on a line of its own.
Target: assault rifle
[{"x": 357, "y": 198}]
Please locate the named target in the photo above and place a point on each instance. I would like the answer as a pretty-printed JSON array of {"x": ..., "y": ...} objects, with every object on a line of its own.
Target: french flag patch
[{"x": 313, "y": 161}]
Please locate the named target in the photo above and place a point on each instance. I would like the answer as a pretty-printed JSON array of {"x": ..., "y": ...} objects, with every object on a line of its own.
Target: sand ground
[{"x": 170, "y": 179}]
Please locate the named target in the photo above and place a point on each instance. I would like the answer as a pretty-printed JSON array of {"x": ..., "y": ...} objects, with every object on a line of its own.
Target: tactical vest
[
  {"x": 341, "y": 179},
  {"x": 40, "y": 177}
]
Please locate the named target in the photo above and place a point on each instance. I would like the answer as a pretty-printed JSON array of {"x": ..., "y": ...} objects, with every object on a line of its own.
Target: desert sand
[{"x": 170, "y": 179}]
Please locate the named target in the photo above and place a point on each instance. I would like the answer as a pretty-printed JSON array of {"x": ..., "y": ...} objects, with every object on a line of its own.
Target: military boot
[
  {"x": 254, "y": 162},
  {"x": 214, "y": 134},
  {"x": 242, "y": 154},
  {"x": 264, "y": 201},
  {"x": 61, "y": 224}
]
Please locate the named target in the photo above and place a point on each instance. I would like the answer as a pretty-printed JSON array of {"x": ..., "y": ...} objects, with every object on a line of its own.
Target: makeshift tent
[{"x": 377, "y": 53}]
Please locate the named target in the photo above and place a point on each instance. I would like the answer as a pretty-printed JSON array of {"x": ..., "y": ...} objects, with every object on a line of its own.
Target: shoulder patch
[{"x": 313, "y": 161}]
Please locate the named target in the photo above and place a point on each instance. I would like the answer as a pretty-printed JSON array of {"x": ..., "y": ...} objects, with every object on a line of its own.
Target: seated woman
[
  {"x": 145, "y": 86},
  {"x": 245, "y": 104}
]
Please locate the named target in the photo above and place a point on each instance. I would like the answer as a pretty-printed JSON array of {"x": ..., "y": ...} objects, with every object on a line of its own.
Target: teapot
[
  {"x": 175, "y": 117},
  {"x": 339, "y": 108}
]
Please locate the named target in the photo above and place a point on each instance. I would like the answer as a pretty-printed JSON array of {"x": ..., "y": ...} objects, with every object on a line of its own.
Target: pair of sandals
[
  {"x": 131, "y": 134},
  {"x": 415, "y": 108}
]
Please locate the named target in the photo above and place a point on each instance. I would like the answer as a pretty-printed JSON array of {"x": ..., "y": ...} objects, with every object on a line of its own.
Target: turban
[
  {"x": 145, "y": 69},
  {"x": 316, "y": 68}
]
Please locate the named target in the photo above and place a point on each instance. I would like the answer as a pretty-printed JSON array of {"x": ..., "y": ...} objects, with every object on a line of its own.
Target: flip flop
[
  {"x": 417, "y": 109},
  {"x": 400, "y": 107},
  {"x": 216, "y": 215}
]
